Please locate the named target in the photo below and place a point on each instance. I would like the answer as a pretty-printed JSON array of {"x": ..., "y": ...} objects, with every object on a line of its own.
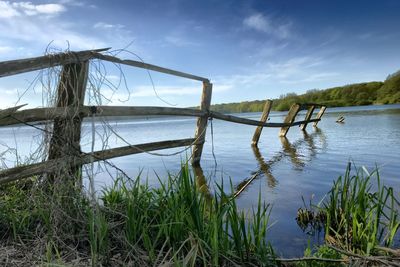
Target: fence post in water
[
  {"x": 290, "y": 117},
  {"x": 264, "y": 117},
  {"x": 65, "y": 140},
  {"x": 319, "y": 115},
  {"x": 307, "y": 117},
  {"x": 201, "y": 129}
]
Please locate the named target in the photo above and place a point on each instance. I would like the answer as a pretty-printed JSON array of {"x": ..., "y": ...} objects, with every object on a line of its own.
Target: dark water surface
[{"x": 302, "y": 165}]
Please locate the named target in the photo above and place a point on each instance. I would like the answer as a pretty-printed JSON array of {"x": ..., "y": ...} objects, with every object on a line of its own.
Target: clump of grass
[
  {"x": 176, "y": 221},
  {"x": 134, "y": 224},
  {"x": 360, "y": 217},
  {"x": 359, "y": 213}
]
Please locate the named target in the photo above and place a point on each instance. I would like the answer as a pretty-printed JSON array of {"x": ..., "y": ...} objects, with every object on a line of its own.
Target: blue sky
[{"x": 248, "y": 49}]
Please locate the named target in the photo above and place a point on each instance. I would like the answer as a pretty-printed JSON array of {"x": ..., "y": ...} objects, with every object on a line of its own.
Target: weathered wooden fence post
[
  {"x": 290, "y": 117},
  {"x": 307, "y": 117},
  {"x": 201, "y": 129},
  {"x": 264, "y": 117},
  {"x": 65, "y": 140},
  {"x": 319, "y": 115}
]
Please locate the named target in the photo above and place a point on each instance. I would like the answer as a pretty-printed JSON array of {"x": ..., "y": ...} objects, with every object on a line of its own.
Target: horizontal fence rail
[
  {"x": 13, "y": 67},
  {"x": 45, "y": 114},
  {"x": 55, "y": 165},
  {"x": 143, "y": 65},
  {"x": 64, "y": 147},
  {"x": 240, "y": 120}
]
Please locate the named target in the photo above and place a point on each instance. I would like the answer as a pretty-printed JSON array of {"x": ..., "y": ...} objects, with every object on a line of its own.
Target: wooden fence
[{"x": 64, "y": 150}]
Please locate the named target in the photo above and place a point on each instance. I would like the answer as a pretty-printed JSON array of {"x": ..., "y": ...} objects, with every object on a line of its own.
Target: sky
[{"x": 248, "y": 49}]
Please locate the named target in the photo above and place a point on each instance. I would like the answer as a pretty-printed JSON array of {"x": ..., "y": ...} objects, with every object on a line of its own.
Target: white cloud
[
  {"x": 107, "y": 26},
  {"x": 7, "y": 10},
  {"x": 34, "y": 26},
  {"x": 41, "y": 32},
  {"x": 165, "y": 92},
  {"x": 179, "y": 41},
  {"x": 13, "y": 96},
  {"x": 315, "y": 77},
  {"x": 294, "y": 71},
  {"x": 38, "y": 31},
  {"x": 258, "y": 22},
  {"x": 148, "y": 91},
  {"x": 5, "y": 49},
  {"x": 145, "y": 91},
  {"x": 262, "y": 23},
  {"x": 113, "y": 78},
  {"x": 185, "y": 34},
  {"x": 115, "y": 33},
  {"x": 72, "y": 3},
  {"x": 15, "y": 9}
]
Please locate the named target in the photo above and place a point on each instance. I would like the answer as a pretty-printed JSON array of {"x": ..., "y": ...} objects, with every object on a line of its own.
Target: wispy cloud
[
  {"x": 301, "y": 71},
  {"x": 184, "y": 34},
  {"x": 265, "y": 24},
  {"x": 15, "y": 9},
  {"x": 36, "y": 25},
  {"x": 5, "y": 49},
  {"x": 179, "y": 41},
  {"x": 107, "y": 26},
  {"x": 72, "y": 3},
  {"x": 315, "y": 77},
  {"x": 144, "y": 91}
]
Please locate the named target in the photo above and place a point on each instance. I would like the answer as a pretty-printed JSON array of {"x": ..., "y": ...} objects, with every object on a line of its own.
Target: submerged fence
[{"x": 64, "y": 149}]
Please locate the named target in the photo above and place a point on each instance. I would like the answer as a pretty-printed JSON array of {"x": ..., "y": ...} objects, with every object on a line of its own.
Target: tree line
[{"x": 369, "y": 93}]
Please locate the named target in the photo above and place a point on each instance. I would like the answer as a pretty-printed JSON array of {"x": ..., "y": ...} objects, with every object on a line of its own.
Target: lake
[{"x": 302, "y": 165}]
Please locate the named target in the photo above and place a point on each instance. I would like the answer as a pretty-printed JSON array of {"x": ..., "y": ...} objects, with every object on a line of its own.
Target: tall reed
[
  {"x": 176, "y": 221},
  {"x": 361, "y": 213}
]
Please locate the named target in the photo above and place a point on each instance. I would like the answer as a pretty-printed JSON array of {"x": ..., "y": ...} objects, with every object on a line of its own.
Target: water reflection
[
  {"x": 265, "y": 167},
  {"x": 290, "y": 150}
]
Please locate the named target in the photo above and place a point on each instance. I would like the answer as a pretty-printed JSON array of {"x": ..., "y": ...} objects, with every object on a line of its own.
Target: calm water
[{"x": 303, "y": 165}]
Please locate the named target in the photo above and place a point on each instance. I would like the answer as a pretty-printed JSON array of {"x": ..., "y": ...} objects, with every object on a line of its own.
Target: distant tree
[{"x": 387, "y": 92}]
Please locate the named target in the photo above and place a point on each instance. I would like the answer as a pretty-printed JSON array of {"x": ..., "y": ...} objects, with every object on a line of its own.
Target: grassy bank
[
  {"x": 136, "y": 225},
  {"x": 178, "y": 225}
]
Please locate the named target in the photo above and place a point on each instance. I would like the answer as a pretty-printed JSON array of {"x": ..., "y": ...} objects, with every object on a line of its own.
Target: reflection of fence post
[
  {"x": 319, "y": 115},
  {"x": 264, "y": 117},
  {"x": 200, "y": 135},
  {"x": 290, "y": 117},
  {"x": 65, "y": 140},
  {"x": 307, "y": 117}
]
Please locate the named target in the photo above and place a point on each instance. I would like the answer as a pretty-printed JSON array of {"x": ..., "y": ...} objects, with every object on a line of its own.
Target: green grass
[
  {"x": 138, "y": 225},
  {"x": 178, "y": 224},
  {"x": 178, "y": 220},
  {"x": 358, "y": 214}
]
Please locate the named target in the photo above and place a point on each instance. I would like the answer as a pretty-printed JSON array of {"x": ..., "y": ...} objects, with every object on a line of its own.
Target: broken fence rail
[{"x": 70, "y": 99}]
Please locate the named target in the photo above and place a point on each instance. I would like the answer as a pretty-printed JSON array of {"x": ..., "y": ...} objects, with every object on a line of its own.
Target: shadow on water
[{"x": 289, "y": 150}]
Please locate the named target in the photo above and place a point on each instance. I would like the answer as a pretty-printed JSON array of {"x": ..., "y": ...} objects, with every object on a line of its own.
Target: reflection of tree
[{"x": 288, "y": 150}]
